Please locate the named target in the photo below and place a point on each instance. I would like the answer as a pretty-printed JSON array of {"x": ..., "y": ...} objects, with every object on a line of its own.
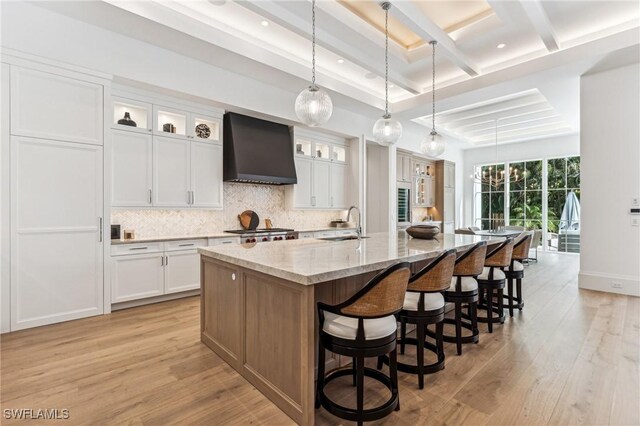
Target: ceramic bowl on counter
[{"x": 423, "y": 232}]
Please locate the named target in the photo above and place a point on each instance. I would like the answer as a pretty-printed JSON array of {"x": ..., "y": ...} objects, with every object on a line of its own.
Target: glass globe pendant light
[
  {"x": 433, "y": 145},
  {"x": 313, "y": 105},
  {"x": 386, "y": 130}
]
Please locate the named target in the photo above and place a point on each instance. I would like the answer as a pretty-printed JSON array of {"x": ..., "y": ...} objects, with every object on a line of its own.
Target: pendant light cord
[
  {"x": 313, "y": 44},
  {"x": 386, "y": 7},
  {"x": 433, "y": 85}
]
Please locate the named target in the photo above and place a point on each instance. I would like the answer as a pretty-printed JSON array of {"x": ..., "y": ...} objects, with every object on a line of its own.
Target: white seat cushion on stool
[
  {"x": 497, "y": 274},
  {"x": 467, "y": 284},
  {"x": 517, "y": 266},
  {"x": 432, "y": 301},
  {"x": 347, "y": 327}
]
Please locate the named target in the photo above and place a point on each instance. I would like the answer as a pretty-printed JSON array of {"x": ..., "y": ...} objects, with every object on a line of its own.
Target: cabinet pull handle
[
  {"x": 227, "y": 242},
  {"x": 331, "y": 201},
  {"x": 150, "y": 197},
  {"x": 193, "y": 197},
  {"x": 100, "y": 231},
  {"x": 161, "y": 260},
  {"x": 186, "y": 245},
  {"x": 166, "y": 260},
  {"x": 138, "y": 248}
]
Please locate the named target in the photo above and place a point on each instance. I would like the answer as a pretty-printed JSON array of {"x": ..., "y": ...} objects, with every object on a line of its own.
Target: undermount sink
[{"x": 341, "y": 238}]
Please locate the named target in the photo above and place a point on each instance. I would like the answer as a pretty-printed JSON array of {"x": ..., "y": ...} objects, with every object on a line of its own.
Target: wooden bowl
[{"x": 423, "y": 232}]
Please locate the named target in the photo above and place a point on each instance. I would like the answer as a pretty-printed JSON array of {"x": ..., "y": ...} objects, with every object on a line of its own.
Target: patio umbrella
[{"x": 570, "y": 219}]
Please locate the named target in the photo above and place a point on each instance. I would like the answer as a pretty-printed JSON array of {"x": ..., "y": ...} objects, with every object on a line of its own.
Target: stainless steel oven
[{"x": 404, "y": 204}]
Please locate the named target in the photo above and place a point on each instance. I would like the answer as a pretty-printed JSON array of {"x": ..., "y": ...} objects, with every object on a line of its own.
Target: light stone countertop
[
  {"x": 214, "y": 235},
  {"x": 314, "y": 261}
]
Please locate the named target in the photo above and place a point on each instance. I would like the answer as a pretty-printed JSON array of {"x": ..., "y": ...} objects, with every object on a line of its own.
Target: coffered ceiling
[{"x": 480, "y": 43}]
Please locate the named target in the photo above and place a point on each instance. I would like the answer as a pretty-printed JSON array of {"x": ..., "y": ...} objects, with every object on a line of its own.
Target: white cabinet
[
  {"x": 182, "y": 271},
  {"x": 223, "y": 240},
  {"x": 339, "y": 184},
  {"x": 303, "y": 190},
  {"x": 425, "y": 191},
  {"x": 322, "y": 171},
  {"x": 138, "y": 113},
  {"x": 137, "y": 276},
  {"x": 324, "y": 234},
  {"x": 131, "y": 169},
  {"x": 403, "y": 167},
  {"x": 449, "y": 175},
  {"x": 171, "y": 180},
  {"x": 56, "y": 231},
  {"x": 321, "y": 197},
  {"x": 206, "y": 175},
  {"x": 177, "y": 123},
  {"x": 50, "y": 106}
]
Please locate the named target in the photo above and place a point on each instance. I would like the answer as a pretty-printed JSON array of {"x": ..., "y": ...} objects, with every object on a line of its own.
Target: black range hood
[{"x": 257, "y": 151}]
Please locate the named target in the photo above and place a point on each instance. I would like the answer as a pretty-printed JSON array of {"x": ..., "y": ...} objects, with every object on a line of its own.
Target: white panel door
[
  {"x": 171, "y": 180},
  {"x": 131, "y": 170},
  {"x": 322, "y": 184},
  {"x": 449, "y": 205},
  {"x": 50, "y": 106},
  {"x": 303, "y": 191},
  {"x": 137, "y": 276},
  {"x": 56, "y": 240},
  {"x": 339, "y": 185},
  {"x": 182, "y": 271},
  {"x": 206, "y": 174}
]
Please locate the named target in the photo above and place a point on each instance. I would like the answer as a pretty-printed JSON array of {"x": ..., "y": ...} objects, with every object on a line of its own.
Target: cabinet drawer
[
  {"x": 218, "y": 241},
  {"x": 136, "y": 248},
  {"x": 324, "y": 234},
  {"x": 305, "y": 235},
  {"x": 185, "y": 244},
  {"x": 346, "y": 232}
]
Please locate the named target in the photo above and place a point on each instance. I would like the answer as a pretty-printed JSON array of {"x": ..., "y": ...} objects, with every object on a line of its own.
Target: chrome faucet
[{"x": 359, "y": 225}]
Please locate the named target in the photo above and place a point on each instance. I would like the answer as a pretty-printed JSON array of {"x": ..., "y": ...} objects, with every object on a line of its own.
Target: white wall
[
  {"x": 562, "y": 146},
  {"x": 610, "y": 160}
]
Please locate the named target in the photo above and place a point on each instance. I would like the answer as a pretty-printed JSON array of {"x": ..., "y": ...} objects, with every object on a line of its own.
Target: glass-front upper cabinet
[
  {"x": 170, "y": 122},
  {"x": 204, "y": 128},
  {"x": 338, "y": 153},
  {"x": 304, "y": 147},
  {"x": 131, "y": 115},
  {"x": 319, "y": 148},
  {"x": 424, "y": 191}
]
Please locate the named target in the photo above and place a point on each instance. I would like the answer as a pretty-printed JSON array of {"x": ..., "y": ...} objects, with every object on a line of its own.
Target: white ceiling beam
[
  {"x": 411, "y": 16},
  {"x": 549, "y": 128},
  {"x": 522, "y": 118},
  {"x": 500, "y": 109},
  {"x": 540, "y": 21},
  {"x": 525, "y": 124},
  {"x": 345, "y": 48}
]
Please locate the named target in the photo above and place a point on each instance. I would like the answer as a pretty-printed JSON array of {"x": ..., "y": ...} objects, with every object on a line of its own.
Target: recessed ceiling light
[
  {"x": 501, "y": 46},
  {"x": 341, "y": 61},
  {"x": 370, "y": 76},
  {"x": 264, "y": 23}
]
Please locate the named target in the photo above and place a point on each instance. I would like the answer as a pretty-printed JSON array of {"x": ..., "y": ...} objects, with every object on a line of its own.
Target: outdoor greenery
[{"x": 525, "y": 194}]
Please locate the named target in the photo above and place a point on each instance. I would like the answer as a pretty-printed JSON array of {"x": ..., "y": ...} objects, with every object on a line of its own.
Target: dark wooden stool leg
[
  {"x": 393, "y": 373},
  {"x": 354, "y": 365},
  {"x": 360, "y": 389},
  {"x": 440, "y": 340},
  {"x": 501, "y": 305},
  {"x": 519, "y": 292},
  {"x": 403, "y": 335},
  {"x": 510, "y": 295},
  {"x": 474, "y": 318},
  {"x": 320, "y": 381},
  {"x": 490, "y": 310},
  {"x": 420, "y": 354},
  {"x": 458, "y": 328}
]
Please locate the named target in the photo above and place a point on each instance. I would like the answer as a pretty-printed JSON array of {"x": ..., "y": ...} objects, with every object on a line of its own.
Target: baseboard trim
[
  {"x": 629, "y": 285},
  {"x": 150, "y": 300}
]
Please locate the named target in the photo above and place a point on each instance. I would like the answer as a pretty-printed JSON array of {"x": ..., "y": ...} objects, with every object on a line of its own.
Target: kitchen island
[{"x": 258, "y": 303}]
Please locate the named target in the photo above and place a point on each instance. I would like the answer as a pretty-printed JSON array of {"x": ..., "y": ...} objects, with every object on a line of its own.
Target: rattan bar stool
[
  {"x": 515, "y": 271},
  {"x": 363, "y": 326},
  {"x": 424, "y": 305},
  {"x": 464, "y": 290},
  {"x": 491, "y": 283}
]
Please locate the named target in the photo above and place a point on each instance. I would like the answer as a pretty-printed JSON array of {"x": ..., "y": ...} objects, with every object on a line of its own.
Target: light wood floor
[{"x": 571, "y": 357}]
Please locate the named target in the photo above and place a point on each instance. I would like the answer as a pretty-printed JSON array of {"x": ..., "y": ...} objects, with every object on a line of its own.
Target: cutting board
[{"x": 249, "y": 219}]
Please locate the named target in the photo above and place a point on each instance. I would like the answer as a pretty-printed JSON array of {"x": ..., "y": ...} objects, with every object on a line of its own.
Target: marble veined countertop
[{"x": 313, "y": 261}]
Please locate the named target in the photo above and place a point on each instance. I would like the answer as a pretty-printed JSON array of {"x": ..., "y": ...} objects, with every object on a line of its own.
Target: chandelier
[
  {"x": 313, "y": 105},
  {"x": 493, "y": 177},
  {"x": 386, "y": 130}
]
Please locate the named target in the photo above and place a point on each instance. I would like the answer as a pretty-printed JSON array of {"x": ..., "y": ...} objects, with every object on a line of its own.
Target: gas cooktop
[{"x": 258, "y": 231}]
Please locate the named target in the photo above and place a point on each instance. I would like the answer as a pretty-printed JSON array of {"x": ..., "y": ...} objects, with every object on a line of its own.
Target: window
[
  {"x": 525, "y": 195},
  {"x": 490, "y": 199},
  {"x": 563, "y": 179}
]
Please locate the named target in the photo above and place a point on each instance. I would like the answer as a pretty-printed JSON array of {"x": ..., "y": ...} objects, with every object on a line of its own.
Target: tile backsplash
[{"x": 266, "y": 200}]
